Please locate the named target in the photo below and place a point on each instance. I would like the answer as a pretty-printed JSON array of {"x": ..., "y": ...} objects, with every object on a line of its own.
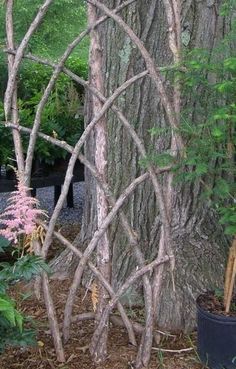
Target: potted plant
[
  {"x": 210, "y": 159},
  {"x": 216, "y": 321},
  {"x": 216, "y": 311}
]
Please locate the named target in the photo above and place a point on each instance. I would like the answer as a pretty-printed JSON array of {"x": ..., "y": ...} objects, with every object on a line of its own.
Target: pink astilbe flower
[{"x": 21, "y": 215}]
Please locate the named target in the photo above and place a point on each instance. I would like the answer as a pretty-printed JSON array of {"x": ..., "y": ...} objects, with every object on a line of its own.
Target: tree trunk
[{"x": 199, "y": 243}]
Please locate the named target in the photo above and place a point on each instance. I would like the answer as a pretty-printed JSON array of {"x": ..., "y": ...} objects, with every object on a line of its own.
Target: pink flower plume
[{"x": 21, "y": 215}]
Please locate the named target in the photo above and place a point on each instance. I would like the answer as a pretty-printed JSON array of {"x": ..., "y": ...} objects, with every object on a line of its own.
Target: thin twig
[{"x": 180, "y": 351}]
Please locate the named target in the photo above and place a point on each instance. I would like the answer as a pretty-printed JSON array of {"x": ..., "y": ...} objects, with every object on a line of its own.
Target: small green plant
[
  {"x": 219, "y": 294},
  {"x": 160, "y": 360},
  {"x": 196, "y": 357},
  {"x": 14, "y": 329}
]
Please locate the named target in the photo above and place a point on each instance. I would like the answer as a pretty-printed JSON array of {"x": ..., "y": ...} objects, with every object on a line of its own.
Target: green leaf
[
  {"x": 230, "y": 230},
  {"x": 232, "y": 218},
  {"x": 19, "y": 320},
  {"x": 201, "y": 169},
  {"x": 222, "y": 188},
  {"x": 4, "y": 243},
  {"x": 10, "y": 316},
  {"x": 5, "y": 304},
  {"x": 230, "y": 64},
  {"x": 217, "y": 132}
]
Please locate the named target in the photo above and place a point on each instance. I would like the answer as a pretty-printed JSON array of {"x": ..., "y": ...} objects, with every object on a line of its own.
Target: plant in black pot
[
  {"x": 216, "y": 321},
  {"x": 210, "y": 161},
  {"x": 216, "y": 312}
]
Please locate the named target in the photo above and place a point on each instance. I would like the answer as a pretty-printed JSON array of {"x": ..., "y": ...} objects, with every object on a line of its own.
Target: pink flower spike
[{"x": 21, "y": 215}]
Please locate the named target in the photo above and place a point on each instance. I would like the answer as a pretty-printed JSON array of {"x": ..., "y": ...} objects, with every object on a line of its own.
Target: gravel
[{"x": 46, "y": 198}]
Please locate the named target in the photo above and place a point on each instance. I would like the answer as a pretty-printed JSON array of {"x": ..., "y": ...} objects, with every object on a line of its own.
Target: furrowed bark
[
  {"x": 152, "y": 68},
  {"x": 192, "y": 221}
]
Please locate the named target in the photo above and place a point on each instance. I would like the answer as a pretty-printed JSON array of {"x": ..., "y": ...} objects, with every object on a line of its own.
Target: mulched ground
[
  {"x": 213, "y": 302},
  {"x": 120, "y": 354}
]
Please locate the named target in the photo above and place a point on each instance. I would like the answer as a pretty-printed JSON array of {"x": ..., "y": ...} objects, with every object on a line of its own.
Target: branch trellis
[{"x": 107, "y": 205}]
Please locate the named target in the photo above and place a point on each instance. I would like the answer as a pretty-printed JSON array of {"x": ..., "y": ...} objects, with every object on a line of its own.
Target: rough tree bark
[{"x": 198, "y": 240}]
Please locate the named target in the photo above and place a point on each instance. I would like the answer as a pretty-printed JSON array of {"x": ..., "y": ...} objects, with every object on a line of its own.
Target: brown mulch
[
  {"x": 213, "y": 302},
  {"x": 121, "y": 355}
]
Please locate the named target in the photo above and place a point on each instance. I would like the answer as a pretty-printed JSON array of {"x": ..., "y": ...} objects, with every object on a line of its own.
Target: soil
[
  {"x": 121, "y": 355},
  {"x": 213, "y": 302}
]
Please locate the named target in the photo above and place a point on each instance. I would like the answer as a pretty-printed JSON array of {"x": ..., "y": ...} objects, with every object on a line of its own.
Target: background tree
[{"x": 198, "y": 239}]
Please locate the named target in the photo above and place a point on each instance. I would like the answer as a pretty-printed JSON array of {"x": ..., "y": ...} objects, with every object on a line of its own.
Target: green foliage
[
  {"x": 61, "y": 118},
  {"x": 12, "y": 331},
  {"x": 64, "y": 20},
  {"x": 12, "y": 336},
  {"x": 4, "y": 243},
  {"x": 12, "y": 323},
  {"x": 25, "y": 267},
  {"x": 210, "y": 139},
  {"x": 228, "y": 218},
  {"x": 227, "y": 7},
  {"x": 161, "y": 160},
  {"x": 9, "y": 314}
]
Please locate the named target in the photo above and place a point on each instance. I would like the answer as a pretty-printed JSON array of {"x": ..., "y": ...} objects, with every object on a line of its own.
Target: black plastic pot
[{"x": 216, "y": 340}]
